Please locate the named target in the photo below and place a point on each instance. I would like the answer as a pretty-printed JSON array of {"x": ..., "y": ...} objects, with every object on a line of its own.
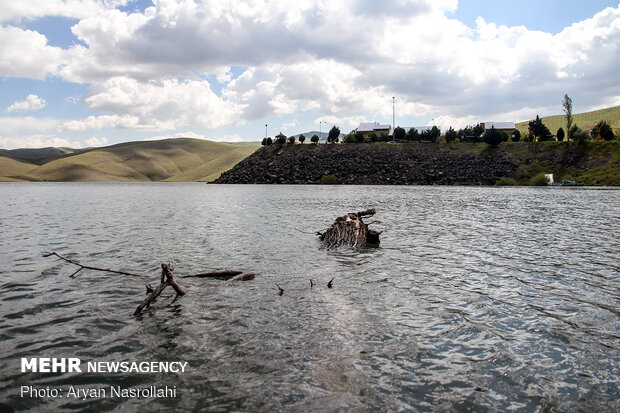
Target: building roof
[
  {"x": 499, "y": 125},
  {"x": 372, "y": 126}
]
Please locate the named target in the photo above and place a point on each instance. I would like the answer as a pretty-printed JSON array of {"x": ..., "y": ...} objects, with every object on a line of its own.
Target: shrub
[
  {"x": 399, "y": 134},
  {"x": 302, "y": 139},
  {"x": 578, "y": 134},
  {"x": 350, "y": 138},
  {"x": 330, "y": 179},
  {"x": 505, "y": 182},
  {"x": 516, "y": 135},
  {"x": 314, "y": 139},
  {"x": 373, "y": 137},
  {"x": 269, "y": 141},
  {"x": 413, "y": 135},
  {"x": 538, "y": 180},
  {"x": 493, "y": 137},
  {"x": 264, "y": 142},
  {"x": 291, "y": 140},
  {"x": 603, "y": 131},
  {"x": 560, "y": 135},
  {"x": 451, "y": 135}
]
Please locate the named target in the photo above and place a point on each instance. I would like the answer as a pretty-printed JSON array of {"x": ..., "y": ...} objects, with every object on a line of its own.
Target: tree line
[{"x": 537, "y": 132}]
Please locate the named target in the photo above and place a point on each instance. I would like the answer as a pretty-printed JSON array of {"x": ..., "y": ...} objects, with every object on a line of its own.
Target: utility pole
[
  {"x": 393, "y": 121},
  {"x": 265, "y": 131}
]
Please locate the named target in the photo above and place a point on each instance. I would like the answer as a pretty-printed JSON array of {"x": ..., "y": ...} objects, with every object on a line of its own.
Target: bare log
[
  {"x": 350, "y": 230},
  {"x": 215, "y": 274},
  {"x": 244, "y": 276}
]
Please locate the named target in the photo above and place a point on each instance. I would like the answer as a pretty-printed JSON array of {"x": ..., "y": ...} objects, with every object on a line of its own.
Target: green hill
[
  {"x": 585, "y": 121},
  {"x": 13, "y": 167},
  {"x": 180, "y": 159}
]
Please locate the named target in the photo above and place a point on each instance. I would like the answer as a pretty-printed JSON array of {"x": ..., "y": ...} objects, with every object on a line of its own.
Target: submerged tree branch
[{"x": 89, "y": 267}]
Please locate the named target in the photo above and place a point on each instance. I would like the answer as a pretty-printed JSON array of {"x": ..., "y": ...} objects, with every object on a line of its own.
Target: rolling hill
[
  {"x": 181, "y": 159},
  {"x": 585, "y": 121}
]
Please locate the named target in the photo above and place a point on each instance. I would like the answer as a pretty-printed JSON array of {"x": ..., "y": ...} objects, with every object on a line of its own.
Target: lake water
[{"x": 477, "y": 299}]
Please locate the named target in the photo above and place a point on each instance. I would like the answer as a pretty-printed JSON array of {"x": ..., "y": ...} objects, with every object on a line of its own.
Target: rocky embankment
[{"x": 372, "y": 164}]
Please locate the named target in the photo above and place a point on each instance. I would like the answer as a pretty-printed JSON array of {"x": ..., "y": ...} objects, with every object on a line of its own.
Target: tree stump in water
[{"x": 350, "y": 230}]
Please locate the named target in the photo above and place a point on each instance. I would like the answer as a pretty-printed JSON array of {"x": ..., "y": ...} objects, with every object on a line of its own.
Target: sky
[{"x": 84, "y": 73}]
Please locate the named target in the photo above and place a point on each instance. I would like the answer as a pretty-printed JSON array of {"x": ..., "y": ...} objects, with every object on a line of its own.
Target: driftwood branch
[
  {"x": 215, "y": 274},
  {"x": 89, "y": 267},
  {"x": 166, "y": 280}
]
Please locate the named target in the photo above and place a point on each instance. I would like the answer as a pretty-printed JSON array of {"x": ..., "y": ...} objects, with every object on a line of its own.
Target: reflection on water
[{"x": 478, "y": 298}]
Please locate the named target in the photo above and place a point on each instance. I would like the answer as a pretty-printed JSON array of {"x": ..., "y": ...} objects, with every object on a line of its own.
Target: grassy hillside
[
  {"x": 585, "y": 121},
  {"x": 170, "y": 159},
  {"x": 10, "y": 167}
]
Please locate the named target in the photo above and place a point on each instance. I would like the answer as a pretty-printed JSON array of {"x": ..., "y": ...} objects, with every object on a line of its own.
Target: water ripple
[{"x": 479, "y": 299}]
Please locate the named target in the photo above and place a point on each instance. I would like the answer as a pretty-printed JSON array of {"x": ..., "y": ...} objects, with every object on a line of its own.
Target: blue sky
[{"x": 100, "y": 72}]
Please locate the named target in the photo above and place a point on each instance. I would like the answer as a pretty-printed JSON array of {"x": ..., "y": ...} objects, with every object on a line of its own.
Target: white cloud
[
  {"x": 94, "y": 141},
  {"x": 37, "y": 141},
  {"x": 27, "y": 125},
  {"x": 341, "y": 59},
  {"x": 18, "y": 10},
  {"x": 32, "y": 103},
  {"x": 25, "y": 53},
  {"x": 194, "y": 135},
  {"x": 289, "y": 125},
  {"x": 229, "y": 138},
  {"x": 156, "y": 105}
]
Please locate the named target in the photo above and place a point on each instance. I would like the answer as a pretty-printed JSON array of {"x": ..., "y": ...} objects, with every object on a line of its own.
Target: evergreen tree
[
  {"x": 399, "y": 134},
  {"x": 451, "y": 135},
  {"x": 560, "y": 135},
  {"x": 413, "y": 135},
  {"x": 493, "y": 137},
  {"x": 538, "y": 129},
  {"x": 334, "y": 134}
]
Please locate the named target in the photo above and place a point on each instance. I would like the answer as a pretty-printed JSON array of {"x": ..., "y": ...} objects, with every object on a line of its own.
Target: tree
[
  {"x": 269, "y": 141},
  {"x": 516, "y": 135},
  {"x": 426, "y": 135},
  {"x": 538, "y": 129},
  {"x": 281, "y": 138},
  {"x": 451, "y": 135},
  {"x": 578, "y": 134},
  {"x": 567, "y": 105},
  {"x": 435, "y": 134},
  {"x": 314, "y": 139},
  {"x": 334, "y": 134},
  {"x": 602, "y": 130},
  {"x": 302, "y": 139},
  {"x": 478, "y": 131},
  {"x": 493, "y": 137},
  {"x": 291, "y": 140},
  {"x": 399, "y": 134},
  {"x": 413, "y": 135},
  {"x": 560, "y": 135},
  {"x": 264, "y": 142}
]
